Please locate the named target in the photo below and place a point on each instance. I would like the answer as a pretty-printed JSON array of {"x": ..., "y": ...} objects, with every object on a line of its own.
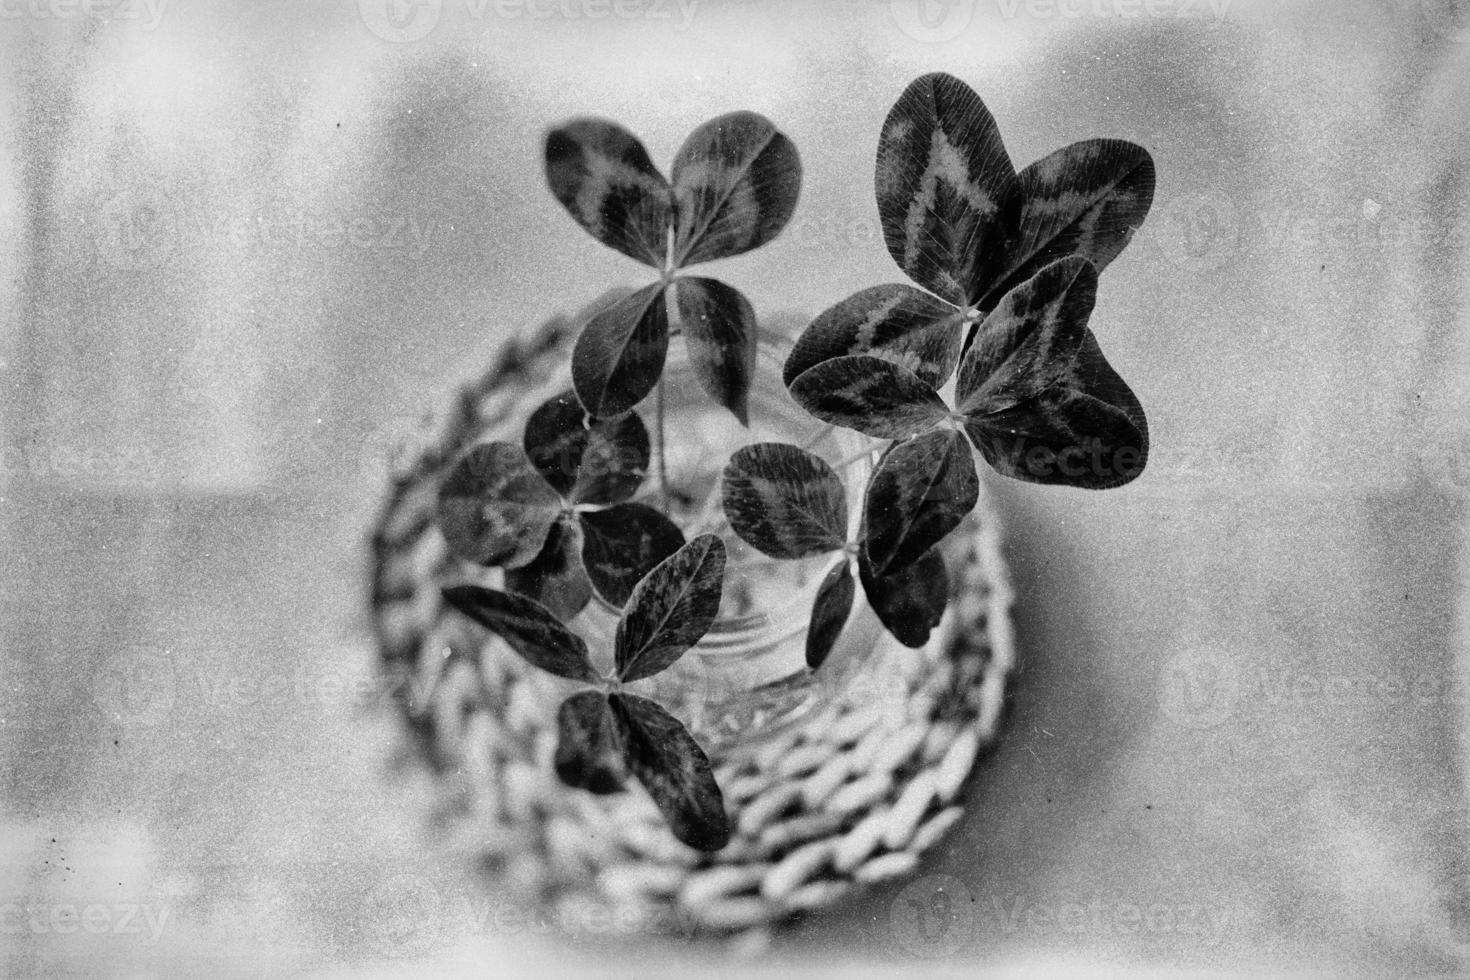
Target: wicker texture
[{"x": 850, "y": 796}]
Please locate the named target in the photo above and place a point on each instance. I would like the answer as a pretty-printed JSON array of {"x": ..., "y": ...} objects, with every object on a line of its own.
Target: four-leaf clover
[
  {"x": 735, "y": 185},
  {"x": 964, "y": 225},
  {"x": 1010, "y": 264},
  {"x": 555, "y": 511},
  {"x": 1034, "y": 395},
  {"x": 605, "y": 733}
]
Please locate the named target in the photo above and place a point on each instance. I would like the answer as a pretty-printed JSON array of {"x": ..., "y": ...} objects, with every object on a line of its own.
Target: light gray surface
[{"x": 1238, "y": 735}]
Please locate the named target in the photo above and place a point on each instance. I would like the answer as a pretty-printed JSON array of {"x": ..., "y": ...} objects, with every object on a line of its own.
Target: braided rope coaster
[{"x": 850, "y": 795}]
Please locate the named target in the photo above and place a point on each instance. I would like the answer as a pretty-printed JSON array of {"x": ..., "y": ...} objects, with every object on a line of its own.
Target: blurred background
[{"x": 243, "y": 247}]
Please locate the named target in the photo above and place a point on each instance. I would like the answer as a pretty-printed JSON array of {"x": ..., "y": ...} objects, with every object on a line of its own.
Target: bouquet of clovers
[{"x": 985, "y": 350}]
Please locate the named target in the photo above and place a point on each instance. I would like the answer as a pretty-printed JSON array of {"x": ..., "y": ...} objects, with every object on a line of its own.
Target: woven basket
[{"x": 851, "y": 796}]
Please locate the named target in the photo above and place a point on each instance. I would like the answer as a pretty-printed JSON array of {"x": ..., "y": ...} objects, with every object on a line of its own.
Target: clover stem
[
  {"x": 874, "y": 446},
  {"x": 660, "y": 435},
  {"x": 823, "y": 433},
  {"x": 705, "y": 523}
]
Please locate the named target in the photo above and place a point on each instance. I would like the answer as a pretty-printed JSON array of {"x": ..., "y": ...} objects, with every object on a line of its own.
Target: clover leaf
[
  {"x": 965, "y": 226},
  {"x": 734, "y": 186},
  {"x": 555, "y": 511},
  {"x": 606, "y": 732},
  {"x": 1035, "y": 396},
  {"x": 909, "y": 602},
  {"x": 789, "y": 503}
]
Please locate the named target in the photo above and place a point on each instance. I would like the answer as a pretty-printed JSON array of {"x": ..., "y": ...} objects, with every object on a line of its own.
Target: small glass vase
[{"x": 747, "y": 680}]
